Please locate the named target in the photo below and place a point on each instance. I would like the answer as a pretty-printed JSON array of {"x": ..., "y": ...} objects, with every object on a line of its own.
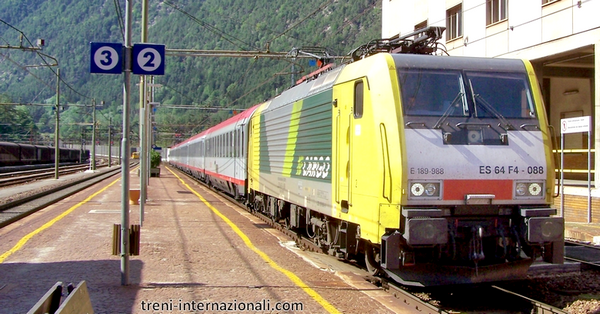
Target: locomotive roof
[
  {"x": 305, "y": 89},
  {"x": 454, "y": 62}
]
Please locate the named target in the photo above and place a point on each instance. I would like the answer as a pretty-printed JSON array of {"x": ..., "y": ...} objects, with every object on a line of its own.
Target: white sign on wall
[{"x": 575, "y": 125}]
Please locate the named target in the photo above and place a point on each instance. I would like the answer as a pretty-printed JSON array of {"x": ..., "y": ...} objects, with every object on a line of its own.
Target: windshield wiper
[
  {"x": 448, "y": 111},
  {"x": 503, "y": 122}
]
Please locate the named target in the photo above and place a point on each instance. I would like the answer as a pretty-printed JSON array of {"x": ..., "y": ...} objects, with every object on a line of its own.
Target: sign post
[
  {"x": 576, "y": 125},
  {"x": 116, "y": 58}
]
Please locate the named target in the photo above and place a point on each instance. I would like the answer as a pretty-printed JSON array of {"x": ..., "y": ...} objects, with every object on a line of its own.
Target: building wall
[
  {"x": 529, "y": 25},
  {"x": 560, "y": 39}
]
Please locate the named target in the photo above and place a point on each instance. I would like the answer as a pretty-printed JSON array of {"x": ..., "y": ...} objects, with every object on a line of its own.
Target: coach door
[
  {"x": 348, "y": 101},
  {"x": 240, "y": 162}
]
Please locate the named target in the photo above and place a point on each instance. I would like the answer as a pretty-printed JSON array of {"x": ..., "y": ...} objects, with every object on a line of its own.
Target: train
[
  {"x": 14, "y": 154},
  {"x": 433, "y": 169}
]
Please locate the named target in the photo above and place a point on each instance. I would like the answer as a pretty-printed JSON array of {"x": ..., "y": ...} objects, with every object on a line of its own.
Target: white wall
[{"x": 529, "y": 25}]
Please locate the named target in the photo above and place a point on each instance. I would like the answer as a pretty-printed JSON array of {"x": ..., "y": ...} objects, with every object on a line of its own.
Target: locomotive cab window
[
  {"x": 505, "y": 95},
  {"x": 433, "y": 93},
  {"x": 358, "y": 99}
]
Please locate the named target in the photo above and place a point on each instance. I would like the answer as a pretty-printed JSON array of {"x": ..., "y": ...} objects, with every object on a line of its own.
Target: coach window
[
  {"x": 240, "y": 143},
  {"x": 229, "y": 144},
  {"x": 358, "y": 99}
]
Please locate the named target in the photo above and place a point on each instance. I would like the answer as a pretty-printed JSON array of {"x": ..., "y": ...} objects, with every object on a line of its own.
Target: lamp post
[
  {"x": 57, "y": 109},
  {"x": 57, "y": 125},
  {"x": 93, "y": 157},
  {"x": 109, "y": 140}
]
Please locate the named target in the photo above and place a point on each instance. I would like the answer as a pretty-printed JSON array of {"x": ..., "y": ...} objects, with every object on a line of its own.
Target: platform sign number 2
[{"x": 148, "y": 59}]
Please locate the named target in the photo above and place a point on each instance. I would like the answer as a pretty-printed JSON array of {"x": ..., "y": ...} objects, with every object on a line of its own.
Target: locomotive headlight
[
  {"x": 430, "y": 189},
  {"x": 521, "y": 189},
  {"x": 529, "y": 189},
  {"x": 417, "y": 189},
  {"x": 535, "y": 189},
  {"x": 421, "y": 189}
]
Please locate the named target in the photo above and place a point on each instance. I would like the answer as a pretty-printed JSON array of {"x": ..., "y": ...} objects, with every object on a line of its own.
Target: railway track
[
  {"x": 18, "y": 177},
  {"x": 23, "y": 207},
  {"x": 586, "y": 254},
  {"x": 423, "y": 300}
]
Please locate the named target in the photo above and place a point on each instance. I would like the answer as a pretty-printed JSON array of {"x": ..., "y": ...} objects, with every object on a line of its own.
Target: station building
[{"x": 559, "y": 37}]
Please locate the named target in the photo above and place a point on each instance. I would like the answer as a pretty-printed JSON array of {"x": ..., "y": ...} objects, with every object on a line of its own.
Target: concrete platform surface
[{"x": 196, "y": 251}]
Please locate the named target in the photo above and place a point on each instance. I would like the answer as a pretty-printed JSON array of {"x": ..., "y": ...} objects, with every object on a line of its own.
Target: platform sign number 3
[{"x": 106, "y": 58}]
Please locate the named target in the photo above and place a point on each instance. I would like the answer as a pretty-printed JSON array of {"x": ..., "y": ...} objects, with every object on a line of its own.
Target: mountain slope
[{"x": 69, "y": 26}]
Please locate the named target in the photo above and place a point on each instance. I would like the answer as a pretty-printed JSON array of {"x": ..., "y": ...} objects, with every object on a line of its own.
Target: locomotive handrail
[
  {"x": 524, "y": 126},
  {"x": 556, "y": 160},
  {"x": 411, "y": 123}
]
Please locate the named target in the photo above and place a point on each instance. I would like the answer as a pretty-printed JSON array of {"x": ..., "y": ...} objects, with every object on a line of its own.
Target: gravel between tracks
[
  {"x": 29, "y": 192},
  {"x": 576, "y": 293}
]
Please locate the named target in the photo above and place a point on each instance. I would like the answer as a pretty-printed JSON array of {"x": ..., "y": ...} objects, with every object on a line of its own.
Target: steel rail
[
  {"x": 18, "y": 209},
  {"x": 538, "y": 307}
]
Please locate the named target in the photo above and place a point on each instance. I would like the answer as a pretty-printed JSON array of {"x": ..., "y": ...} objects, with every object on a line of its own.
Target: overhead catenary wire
[
  {"x": 120, "y": 18},
  {"x": 320, "y": 8},
  {"x": 45, "y": 62},
  {"x": 227, "y": 37}
]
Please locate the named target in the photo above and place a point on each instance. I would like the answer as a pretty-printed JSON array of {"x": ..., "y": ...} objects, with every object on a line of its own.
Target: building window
[
  {"x": 496, "y": 10},
  {"x": 418, "y": 27},
  {"x": 454, "y": 22}
]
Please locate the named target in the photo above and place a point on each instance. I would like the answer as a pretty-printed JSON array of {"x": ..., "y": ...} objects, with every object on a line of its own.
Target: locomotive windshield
[
  {"x": 460, "y": 102},
  {"x": 490, "y": 95}
]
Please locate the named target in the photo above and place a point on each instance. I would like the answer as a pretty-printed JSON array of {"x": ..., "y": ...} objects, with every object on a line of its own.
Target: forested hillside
[{"x": 68, "y": 26}]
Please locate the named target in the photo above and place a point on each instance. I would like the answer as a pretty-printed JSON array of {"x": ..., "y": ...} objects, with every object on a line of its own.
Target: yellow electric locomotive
[{"x": 437, "y": 169}]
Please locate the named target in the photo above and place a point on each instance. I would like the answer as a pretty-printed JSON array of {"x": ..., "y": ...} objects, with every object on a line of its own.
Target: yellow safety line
[
  {"x": 295, "y": 279},
  {"x": 47, "y": 225}
]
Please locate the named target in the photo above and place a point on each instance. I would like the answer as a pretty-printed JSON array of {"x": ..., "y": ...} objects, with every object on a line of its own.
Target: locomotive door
[{"x": 345, "y": 96}]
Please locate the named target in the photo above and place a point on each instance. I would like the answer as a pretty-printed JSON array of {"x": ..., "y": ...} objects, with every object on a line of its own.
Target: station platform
[
  {"x": 583, "y": 231},
  {"x": 195, "y": 249},
  {"x": 198, "y": 253}
]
